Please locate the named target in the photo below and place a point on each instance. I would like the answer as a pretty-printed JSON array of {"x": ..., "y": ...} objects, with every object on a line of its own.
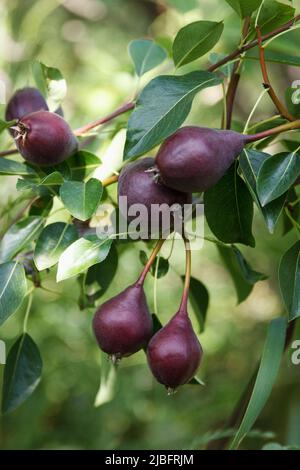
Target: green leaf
[
  {"x": 195, "y": 40},
  {"x": 81, "y": 255},
  {"x": 266, "y": 377},
  {"x": 199, "y": 298},
  {"x": 32, "y": 185},
  {"x": 275, "y": 57},
  {"x": 10, "y": 167},
  {"x": 13, "y": 288},
  {"x": 162, "y": 107},
  {"x": 163, "y": 264},
  {"x": 54, "y": 179},
  {"x": 52, "y": 242},
  {"x": 145, "y": 55},
  {"x": 274, "y": 14},
  {"x": 82, "y": 164},
  {"x": 51, "y": 84},
  {"x": 81, "y": 199},
  {"x": 289, "y": 280},
  {"x": 250, "y": 164},
  {"x": 276, "y": 176},
  {"x": 248, "y": 273},
  {"x": 6, "y": 124},
  {"x": 19, "y": 235},
  {"x": 103, "y": 273},
  {"x": 229, "y": 209},
  {"x": 41, "y": 206},
  {"x": 244, "y": 7},
  {"x": 22, "y": 373},
  {"x": 242, "y": 286}
]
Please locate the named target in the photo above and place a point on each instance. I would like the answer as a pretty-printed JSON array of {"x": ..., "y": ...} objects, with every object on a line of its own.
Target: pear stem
[
  {"x": 88, "y": 127},
  {"x": 276, "y": 130},
  {"x": 150, "y": 261},
  {"x": 8, "y": 152},
  {"x": 110, "y": 180},
  {"x": 186, "y": 287}
]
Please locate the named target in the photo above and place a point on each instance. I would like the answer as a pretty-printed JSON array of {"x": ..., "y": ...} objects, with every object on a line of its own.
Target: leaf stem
[
  {"x": 266, "y": 81},
  {"x": 275, "y": 130},
  {"x": 110, "y": 180},
  {"x": 186, "y": 287},
  {"x": 5, "y": 153},
  {"x": 27, "y": 313},
  {"x": 121, "y": 110},
  {"x": 150, "y": 261}
]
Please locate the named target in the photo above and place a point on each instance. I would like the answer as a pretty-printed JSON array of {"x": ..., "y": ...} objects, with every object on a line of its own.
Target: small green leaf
[
  {"x": 289, "y": 280},
  {"x": 229, "y": 209},
  {"x": 22, "y": 373},
  {"x": 81, "y": 255},
  {"x": 248, "y": 273},
  {"x": 52, "y": 242},
  {"x": 19, "y": 235},
  {"x": 54, "y": 179},
  {"x": 242, "y": 286},
  {"x": 195, "y": 40},
  {"x": 250, "y": 164},
  {"x": 6, "y": 124},
  {"x": 199, "y": 298},
  {"x": 81, "y": 199},
  {"x": 82, "y": 164},
  {"x": 10, "y": 167},
  {"x": 51, "y": 84},
  {"x": 13, "y": 288},
  {"x": 145, "y": 55},
  {"x": 276, "y": 176},
  {"x": 266, "y": 376},
  {"x": 162, "y": 107},
  {"x": 244, "y": 7}
]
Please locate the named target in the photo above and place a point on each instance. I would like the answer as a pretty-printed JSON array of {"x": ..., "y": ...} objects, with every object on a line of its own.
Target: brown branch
[
  {"x": 110, "y": 180},
  {"x": 8, "y": 152},
  {"x": 234, "y": 81},
  {"x": 123, "y": 109},
  {"x": 266, "y": 81},
  {"x": 240, "y": 50}
]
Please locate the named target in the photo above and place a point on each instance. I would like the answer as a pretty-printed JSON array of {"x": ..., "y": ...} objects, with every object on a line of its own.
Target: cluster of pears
[
  {"x": 193, "y": 159},
  {"x": 123, "y": 325}
]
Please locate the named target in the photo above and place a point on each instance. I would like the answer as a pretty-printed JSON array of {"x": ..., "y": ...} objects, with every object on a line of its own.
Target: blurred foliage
[{"x": 88, "y": 42}]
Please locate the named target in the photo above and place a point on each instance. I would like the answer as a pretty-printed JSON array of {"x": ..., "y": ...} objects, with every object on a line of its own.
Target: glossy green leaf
[
  {"x": 81, "y": 199},
  {"x": 52, "y": 242},
  {"x": 250, "y": 164},
  {"x": 242, "y": 286},
  {"x": 10, "y": 167},
  {"x": 228, "y": 209},
  {"x": 248, "y": 273},
  {"x": 102, "y": 274},
  {"x": 54, "y": 179},
  {"x": 199, "y": 298},
  {"x": 19, "y": 235},
  {"x": 51, "y": 83},
  {"x": 266, "y": 377},
  {"x": 195, "y": 40},
  {"x": 276, "y": 176},
  {"x": 162, "y": 107},
  {"x": 274, "y": 14},
  {"x": 81, "y": 255},
  {"x": 22, "y": 373},
  {"x": 145, "y": 55},
  {"x": 244, "y": 7},
  {"x": 13, "y": 288},
  {"x": 82, "y": 164},
  {"x": 289, "y": 280},
  {"x": 41, "y": 206}
]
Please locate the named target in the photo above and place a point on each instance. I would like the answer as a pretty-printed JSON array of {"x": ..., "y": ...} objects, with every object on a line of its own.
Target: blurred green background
[{"x": 87, "y": 40}]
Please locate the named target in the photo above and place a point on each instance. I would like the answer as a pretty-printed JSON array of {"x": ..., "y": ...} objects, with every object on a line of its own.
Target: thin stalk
[
  {"x": 150, "y": 261},
  {"x": 121, "y": 110},
  {"x": 5, "y": 153},
  {"x": 276, "y": 130},
  {"x": 155, "y": 286},
  {"x": 188, "y": 267},
  {"x": 253, "y": 111},
  {"x": 266, "y": 81},
  {"x": 27, "y": 313},
  {"x": 110, "y": 180}
]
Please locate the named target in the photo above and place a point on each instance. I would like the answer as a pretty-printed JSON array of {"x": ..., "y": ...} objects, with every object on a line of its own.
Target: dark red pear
[
  {"x": 140, "y": 183},
  {"x": 195, "y": 158},
  {"x": 25, "y": 101},
  {"x": 174, "y": 352},
  {"x": 123, "y": 324},
  {"x": 44, "y": 138}
]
